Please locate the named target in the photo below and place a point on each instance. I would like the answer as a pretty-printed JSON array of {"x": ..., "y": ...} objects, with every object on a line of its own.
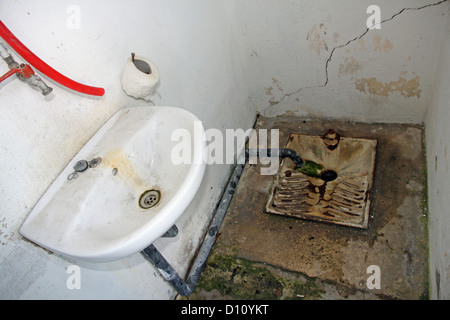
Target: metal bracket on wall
[{"x": 171, "y": 233}]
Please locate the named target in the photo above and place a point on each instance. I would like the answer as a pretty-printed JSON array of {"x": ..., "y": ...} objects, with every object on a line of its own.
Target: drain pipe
[
  {"x": 282, "y": 153},
  {"x": 185, "y": 288}
]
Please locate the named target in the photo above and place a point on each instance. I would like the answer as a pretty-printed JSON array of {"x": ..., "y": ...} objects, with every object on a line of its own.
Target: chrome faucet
[{"x": 23, "y": 71}]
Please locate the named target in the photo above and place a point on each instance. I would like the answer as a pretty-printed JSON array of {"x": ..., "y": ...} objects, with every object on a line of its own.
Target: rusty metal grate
[{"x": 344, "y": 200}]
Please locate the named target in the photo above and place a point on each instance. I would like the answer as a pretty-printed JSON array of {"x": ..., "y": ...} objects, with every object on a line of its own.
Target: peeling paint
[
  {"x": 253, "y": 53},
  {"x": 269, "y": 90},
  {"x": 336, "y": 36},
  {"x": 361, "y": 44},
  {"x": 317, "y": 43},
  {"x": 407, "y": 88},
  {"x": 277, "y": 83},
  {"x": 316, "y": 39},
  {"x": 350, "y": 66},
  {"x": 381, "y": 45}
]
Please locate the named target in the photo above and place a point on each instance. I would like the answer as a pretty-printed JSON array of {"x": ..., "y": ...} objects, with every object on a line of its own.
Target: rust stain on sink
[
  {"x": 118, "y": 160},
  {"x": 344, "y": 200}
]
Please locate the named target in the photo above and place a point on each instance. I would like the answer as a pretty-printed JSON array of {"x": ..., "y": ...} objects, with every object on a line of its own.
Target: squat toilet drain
[
  {"x": 328, "y": 175},
  {"x": 340, "y": 195},
  {"x": 149, "y": 199}
]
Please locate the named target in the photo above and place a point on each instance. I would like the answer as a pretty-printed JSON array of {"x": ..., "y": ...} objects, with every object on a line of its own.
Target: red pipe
[{"x": 45, "y": 68}]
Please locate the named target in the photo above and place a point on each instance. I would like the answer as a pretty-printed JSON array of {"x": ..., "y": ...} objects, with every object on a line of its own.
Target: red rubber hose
[{"x": 34, "y": 60}]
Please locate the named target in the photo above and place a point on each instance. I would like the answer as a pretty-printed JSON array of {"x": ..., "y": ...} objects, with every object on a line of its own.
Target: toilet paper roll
[{"x": 137, "y": 83}]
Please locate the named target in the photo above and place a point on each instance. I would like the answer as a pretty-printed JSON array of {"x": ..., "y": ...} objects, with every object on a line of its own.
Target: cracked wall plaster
[
  {"x": 317, "y": 43},
  {"x": 327, "y": 62}
]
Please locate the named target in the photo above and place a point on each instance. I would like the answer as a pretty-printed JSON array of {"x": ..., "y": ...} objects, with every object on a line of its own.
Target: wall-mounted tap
[
  {"x": 44, "y": 68},
  {"x": 23, "y": 72},
  {"x": 36, "y": 82}
]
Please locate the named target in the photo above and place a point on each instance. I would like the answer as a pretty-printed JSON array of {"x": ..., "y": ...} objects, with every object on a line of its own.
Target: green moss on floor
[{"x": 242, "y": 279}]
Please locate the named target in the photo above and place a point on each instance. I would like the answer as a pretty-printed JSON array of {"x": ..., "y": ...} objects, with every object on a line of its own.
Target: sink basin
[{"x": 131, "y": 193}]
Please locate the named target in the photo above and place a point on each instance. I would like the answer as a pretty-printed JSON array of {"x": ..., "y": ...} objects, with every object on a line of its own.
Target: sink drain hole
[
  {"x": 149, "y": 199},
  {"x": 328, "y": 175}
]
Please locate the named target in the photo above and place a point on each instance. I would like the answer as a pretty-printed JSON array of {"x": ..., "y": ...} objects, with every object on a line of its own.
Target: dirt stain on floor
[{"x": 312, "y": 260}]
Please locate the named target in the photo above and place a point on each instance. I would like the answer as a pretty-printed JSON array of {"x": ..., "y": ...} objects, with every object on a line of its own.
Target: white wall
[
  {"x": 438, "y": 147},
  {"x": 192, "y": 45},
  {"x": 385, "y": 75}
]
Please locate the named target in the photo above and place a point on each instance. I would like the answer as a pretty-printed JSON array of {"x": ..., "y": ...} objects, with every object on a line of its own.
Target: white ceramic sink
[{"x": 97, "y": 216}]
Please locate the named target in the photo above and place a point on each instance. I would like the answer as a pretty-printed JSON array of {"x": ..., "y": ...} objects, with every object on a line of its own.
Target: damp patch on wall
[
  {"x": 382, "y": 45},
  {"x": 350, "y": 66},
  {"x": 407, "y": 88}
]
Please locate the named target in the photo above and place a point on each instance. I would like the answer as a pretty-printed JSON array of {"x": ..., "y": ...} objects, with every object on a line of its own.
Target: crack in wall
[{"x": 274, "y": 103}]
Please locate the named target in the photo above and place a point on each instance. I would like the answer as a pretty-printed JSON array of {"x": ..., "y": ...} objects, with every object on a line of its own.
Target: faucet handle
[
  {"x": 81, "y": 166},
  {"x": 24, "y": 70},
  {"x": 26, "y": 74}
]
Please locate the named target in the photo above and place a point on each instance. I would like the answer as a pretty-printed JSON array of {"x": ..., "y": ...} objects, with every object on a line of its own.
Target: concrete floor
[{"x": 264, "y": 256}]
